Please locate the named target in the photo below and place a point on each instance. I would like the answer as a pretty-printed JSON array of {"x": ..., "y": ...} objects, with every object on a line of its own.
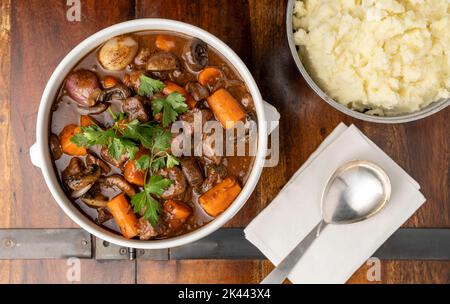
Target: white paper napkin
[{"x": 340, "y": 249}]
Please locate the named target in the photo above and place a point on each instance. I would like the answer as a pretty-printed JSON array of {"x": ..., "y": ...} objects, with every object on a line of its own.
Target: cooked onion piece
[{"x": 118, "y": 52}]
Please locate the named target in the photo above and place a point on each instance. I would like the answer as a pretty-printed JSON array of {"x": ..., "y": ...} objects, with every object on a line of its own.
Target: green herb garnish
[
  {"x": 149, "y": 86},
  {"x": 171, "y": 106},
  {"x": 145, "y": 202},
  {"x": 117, "y": 145}
]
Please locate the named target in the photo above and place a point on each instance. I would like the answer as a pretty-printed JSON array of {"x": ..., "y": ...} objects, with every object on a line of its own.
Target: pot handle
[
  {"x": 272, "y": 117},
  {"x": 34, "y": 155}
]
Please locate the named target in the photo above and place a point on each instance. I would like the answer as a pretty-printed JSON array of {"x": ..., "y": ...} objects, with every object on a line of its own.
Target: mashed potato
[{"x": 389, "y": 56}]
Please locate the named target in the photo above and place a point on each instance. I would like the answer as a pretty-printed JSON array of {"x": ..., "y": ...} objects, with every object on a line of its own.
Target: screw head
[{"x": 123, "y": 251}]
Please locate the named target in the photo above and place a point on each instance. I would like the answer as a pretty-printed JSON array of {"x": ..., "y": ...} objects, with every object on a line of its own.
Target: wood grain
[
  {"x": 41, "y": 37},
  {"x": 59, "y": 272},
  {"x": 35, "y": 36},
  {"x": 5, "y": 117}
]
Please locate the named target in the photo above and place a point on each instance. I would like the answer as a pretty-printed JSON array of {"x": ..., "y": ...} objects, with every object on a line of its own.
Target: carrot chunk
[
  {"x": 131, "y": 172},
  {"x": 219, "y": 198},
  {"x": 173, "y": 87},
  {"x": 109, "y": 82},
  {"x": 177, "y": 213},
  {"x": 86, "y": 121},
  {"x": 209, "y": 75},
  {"x": 67, "y": 145},
  {"x": 226, "y": 108},
  {"x": 122, "y": 212},
  {"x": 165, "y": 43}
]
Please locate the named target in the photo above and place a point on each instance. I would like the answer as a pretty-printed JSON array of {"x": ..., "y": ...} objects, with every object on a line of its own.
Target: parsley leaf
[
  {"x": 171, "y": 106},
  {"x": 149, "y": 86},
  {"x": 91, "y": 136},
  {"x": 120, "y": 146},
  {"x": 158, "y": 184},
  {"x": 158, "y": 163},
  {"x": 151, "y": 136},
  {"x": 143, "y": 163},
  {"x": 145, "y": 202},
  {"x": 172, "y": 161}
]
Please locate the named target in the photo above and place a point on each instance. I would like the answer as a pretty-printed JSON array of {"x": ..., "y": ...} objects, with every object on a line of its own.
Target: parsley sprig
[
  {"x": 145, "y": 202},
  {"x": 149, "y": 86},
  {"x": 171, "y": 106},
  {"x": 125, "y": 138},
  {"x": 111, "y": 138}
]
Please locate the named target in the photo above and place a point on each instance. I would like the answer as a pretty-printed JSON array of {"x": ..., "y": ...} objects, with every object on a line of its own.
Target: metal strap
[
  {"x": 44, "y": 244},
  {"x": 226, "y": 243}
]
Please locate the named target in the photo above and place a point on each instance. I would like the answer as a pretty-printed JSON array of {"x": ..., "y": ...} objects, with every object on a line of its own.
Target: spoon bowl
[{"x": 356, "y": 191}]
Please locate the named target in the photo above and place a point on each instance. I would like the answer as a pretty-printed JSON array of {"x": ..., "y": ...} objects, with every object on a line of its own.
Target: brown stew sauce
[{"x": 64, "y": 112}]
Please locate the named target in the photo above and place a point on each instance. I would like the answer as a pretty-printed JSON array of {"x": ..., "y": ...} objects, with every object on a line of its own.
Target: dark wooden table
[{"x": 35, "y": 35}]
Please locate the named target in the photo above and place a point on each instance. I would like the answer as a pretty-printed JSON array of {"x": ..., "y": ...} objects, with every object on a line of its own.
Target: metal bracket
[
  {"x": 44, "y": 244},
  {"x": 226, "y": 243}
]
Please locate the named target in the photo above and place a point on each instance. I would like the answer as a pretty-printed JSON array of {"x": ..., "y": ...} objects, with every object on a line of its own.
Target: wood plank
[
  {"x": 406, "y": 272},
  {"x": 226, "y": 272},
  {"x": 201, "y": 271},
  {"x": 41, "y": 37},
  {"x": 61, "y": 272},
  {"x": 5, "y": 119}
]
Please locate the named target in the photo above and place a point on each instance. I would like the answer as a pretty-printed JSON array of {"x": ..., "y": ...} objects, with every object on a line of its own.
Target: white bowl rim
[{"x": 43, "y": 122}]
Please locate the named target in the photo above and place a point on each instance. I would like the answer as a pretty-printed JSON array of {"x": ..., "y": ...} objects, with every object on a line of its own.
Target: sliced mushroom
[
  {"x": 118, "y": 52},
  {"x": 195, "y": 54},
  {"x": 163, "y": 61},
  {"x": 83, "y": 87},
  {"x": 81, "y": 192},
  {"x": 55, "y": 146},
  {"x": 94, "y": 160},
  {"x": 85, "y": 178},
  {"x": 96, "y": 201},
  {"x": 119, "y": 91},
  {"x": 80, "y": 178},
  {"x": 178, "y": 182},
  {"x": 197, "y": 91},
  {"x": 119, "y": 182},
  {"x": 96, "y": 109},
  {"x": 134, "y": 107},
  {"x": 103, "y": 215}
]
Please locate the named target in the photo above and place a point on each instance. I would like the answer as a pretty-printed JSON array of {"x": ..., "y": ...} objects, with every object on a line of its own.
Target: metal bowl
[{"x": 426, "y": 111}]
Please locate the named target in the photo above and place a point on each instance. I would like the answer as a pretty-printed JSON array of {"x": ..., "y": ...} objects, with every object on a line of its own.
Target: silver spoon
[{"x": 356, "y": 191}]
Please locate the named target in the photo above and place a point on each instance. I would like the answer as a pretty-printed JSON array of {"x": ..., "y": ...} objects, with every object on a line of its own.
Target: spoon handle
[{"x": 279, "y": 274}]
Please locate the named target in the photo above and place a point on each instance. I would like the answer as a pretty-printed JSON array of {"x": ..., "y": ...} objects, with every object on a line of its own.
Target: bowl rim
[
  {"x": 430, "y": 109},
  {"x": 43, "y": 123}
]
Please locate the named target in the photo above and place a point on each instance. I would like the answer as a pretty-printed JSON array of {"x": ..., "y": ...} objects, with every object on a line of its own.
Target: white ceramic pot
[{"x": 40, "y": 152}]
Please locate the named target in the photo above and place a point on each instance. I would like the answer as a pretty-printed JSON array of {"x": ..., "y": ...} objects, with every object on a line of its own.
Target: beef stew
[{"x": 111, "y": 134}]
